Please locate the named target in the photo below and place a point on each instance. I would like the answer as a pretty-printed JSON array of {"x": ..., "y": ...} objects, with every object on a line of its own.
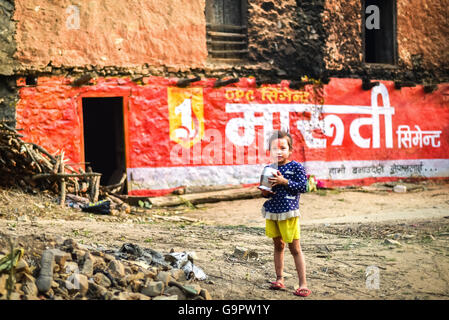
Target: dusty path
[
  {"x": 334, "y": 206},
  {"x": 343, "y": 233}
]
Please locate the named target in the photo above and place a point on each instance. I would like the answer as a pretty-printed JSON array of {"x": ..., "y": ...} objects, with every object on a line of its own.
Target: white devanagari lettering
[
  {"x": 249, "y": 121},
  {"x": 409, "y": 138},
  {"x": 374, "y": 121}
]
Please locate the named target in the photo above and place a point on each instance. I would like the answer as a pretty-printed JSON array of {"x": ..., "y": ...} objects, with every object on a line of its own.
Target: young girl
[{"x": 282, "y": 210}]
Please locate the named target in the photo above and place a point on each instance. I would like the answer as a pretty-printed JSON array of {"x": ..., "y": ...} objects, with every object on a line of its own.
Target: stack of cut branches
[{"x": 32, "y": 168}]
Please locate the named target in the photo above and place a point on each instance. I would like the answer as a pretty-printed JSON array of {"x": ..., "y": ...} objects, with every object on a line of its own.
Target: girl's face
[{"x": 280, "y": 151}]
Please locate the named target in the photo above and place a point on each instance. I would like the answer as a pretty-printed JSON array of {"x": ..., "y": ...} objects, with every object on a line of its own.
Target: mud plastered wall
[
  {"x": 422, "y": 32},
  {"x": 111, "y": 33}
]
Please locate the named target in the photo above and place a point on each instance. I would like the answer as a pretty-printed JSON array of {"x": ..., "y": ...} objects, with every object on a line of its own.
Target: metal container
[{"x": 268, "y": 172}]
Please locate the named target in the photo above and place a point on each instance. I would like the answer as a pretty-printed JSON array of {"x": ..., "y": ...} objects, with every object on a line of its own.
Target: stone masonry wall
[
  {"x": 8, "y": 92},
  {"x": 7, "y": 41},
  {"x": 422, "y": 32},
  {"x": 287, "y": 35},
  {"x": 286, "y": 40}
]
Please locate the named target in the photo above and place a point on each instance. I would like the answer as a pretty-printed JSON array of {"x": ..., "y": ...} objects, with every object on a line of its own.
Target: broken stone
[
  {"x": 137, "y": 296},
  {"x": 78, "y": 255},
  {"x": 252, "y": 254},
  {"x": 29, "y": 286},
  {"x": 3, "y": 278},
  {"x": 88, "y": 265},
  {"x": 164, "y": 276},
  {"x": 22, "y": 266},
  {"x": 178, "y": 274},
  {"x": 135, "y": 285},
  {"x": 392, "y": 242},
  {"x": 102, "y": 280},
  {"x": 240, "y": 252},
  {"x": 108, "y": 257},
  {"x": 77, "y": 283},
  {"x": 69, "y": 245},
  {"x": 97, "y": 291},
  {"x": 133, "y": 277},
  {"x": 61, "y": 257},
  {"x": 153, "y": 288},
  {"x": 400, "y": 188},
  {"x": 116, "y": 268},
  {"x": 243, "y": 253},
  {"x": 174, "y": 290},
  {"x": 14, "y": 296},
  {"x": 205, "y": 294}
]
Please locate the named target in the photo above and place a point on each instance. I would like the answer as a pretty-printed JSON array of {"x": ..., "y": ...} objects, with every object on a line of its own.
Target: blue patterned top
[{"x": 284, "y": 204}]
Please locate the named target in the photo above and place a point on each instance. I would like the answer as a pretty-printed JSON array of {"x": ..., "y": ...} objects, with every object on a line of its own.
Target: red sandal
[
  {"x": 277, "y": 285},
  {"x": 302, "y": 292}
]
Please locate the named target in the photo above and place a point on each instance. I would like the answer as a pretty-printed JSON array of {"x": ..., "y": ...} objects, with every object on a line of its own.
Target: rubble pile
[{"x": 74, "y": 271}]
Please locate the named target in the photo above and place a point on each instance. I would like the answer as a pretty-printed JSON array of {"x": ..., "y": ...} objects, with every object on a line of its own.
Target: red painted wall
[{"x": 159, "y": 118}]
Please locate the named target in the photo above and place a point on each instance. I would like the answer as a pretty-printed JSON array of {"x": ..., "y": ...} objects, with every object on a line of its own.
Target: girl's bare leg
[
  {"x": 298, "y": 256},
  {"x": 279, "y": 246}
]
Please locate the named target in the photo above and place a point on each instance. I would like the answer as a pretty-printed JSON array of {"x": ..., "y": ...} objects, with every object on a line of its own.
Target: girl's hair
[{"x": 279, "y": 135}]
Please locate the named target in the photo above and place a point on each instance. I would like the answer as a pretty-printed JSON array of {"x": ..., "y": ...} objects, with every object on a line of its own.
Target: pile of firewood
[{"x": 32, "y": 168}]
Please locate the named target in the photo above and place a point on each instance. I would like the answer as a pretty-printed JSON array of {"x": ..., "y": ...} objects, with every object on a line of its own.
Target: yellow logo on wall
[{"x": 186, "y": 115}]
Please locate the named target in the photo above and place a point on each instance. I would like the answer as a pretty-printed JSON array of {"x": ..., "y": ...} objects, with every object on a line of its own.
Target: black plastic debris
[{"x": 99, "y": 207}]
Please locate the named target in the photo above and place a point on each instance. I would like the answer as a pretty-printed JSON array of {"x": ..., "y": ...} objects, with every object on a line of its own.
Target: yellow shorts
[{"x": 287, "y": 229}]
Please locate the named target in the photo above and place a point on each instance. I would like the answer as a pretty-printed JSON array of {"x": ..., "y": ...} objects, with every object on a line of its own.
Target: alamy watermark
[
  {"x": 372, "y": 274},
  {"x": 373, "y": 20},
  {"x": 73, "y": 20}
]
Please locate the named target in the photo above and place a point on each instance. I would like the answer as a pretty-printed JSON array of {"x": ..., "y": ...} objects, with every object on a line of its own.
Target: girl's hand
[{"x": 278, "y": 179}]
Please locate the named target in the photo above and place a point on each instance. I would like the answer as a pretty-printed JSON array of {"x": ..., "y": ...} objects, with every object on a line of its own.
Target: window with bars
[{"x": 226, "y": 29}]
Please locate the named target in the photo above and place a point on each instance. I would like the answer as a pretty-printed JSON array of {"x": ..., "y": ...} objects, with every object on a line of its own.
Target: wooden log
[
  {"x": 207, "y": 197},
  {"x": 96, "y": 188},
  {"x": 33, "y": 157},
  {"x": 57, "y": 165},
  {"x": 114, "y": 199},
  {"x": 63, "y": 184},
  {"x": 42, "y": 150},
  {"x": 44, "y": 162},
  {"x": 66, "y": 175},
  {"x": 76, "y": 198},
  {"x": 77, "y": 186}
]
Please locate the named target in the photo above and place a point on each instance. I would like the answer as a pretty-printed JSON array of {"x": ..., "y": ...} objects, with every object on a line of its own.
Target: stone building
[{"x": 108, "y": 82}]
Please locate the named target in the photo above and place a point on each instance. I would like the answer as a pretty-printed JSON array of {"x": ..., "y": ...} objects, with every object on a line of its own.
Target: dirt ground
[{"x": 344, "y": 233}]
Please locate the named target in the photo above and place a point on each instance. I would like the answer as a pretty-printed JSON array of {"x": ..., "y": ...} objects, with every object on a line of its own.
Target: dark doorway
[
  {"x": 104, "y": 138},
  {"x": 380, "y": 42}
]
